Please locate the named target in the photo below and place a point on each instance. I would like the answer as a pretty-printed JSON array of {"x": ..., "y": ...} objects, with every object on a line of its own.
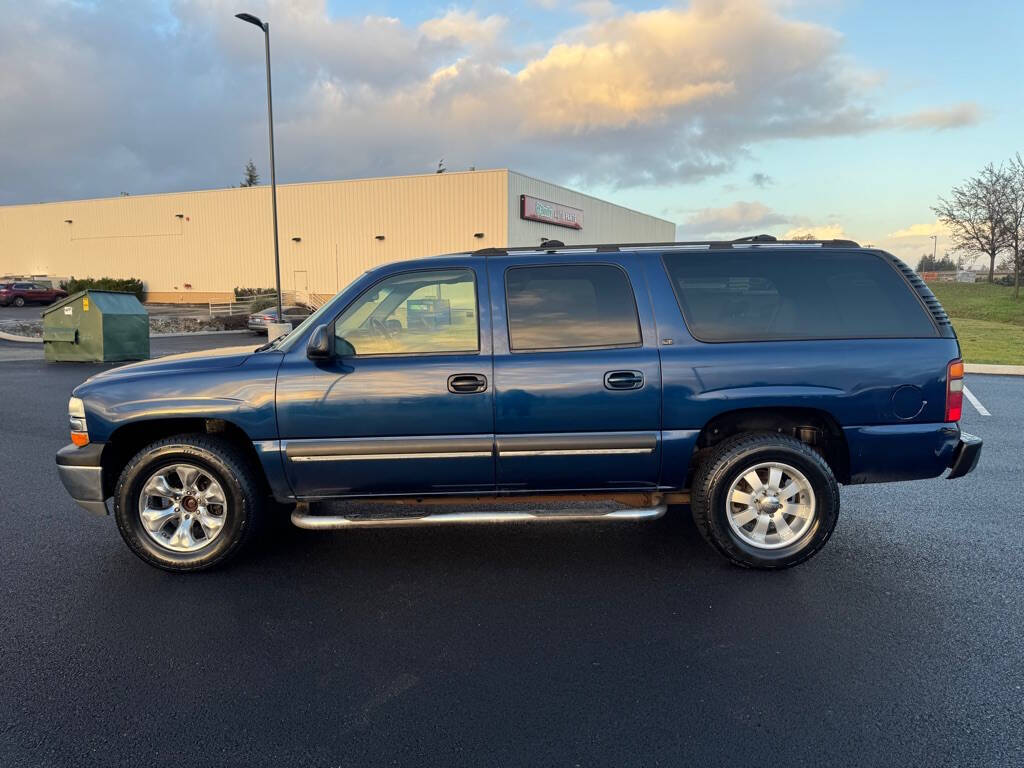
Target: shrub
[
  {"x": 235, "y": 322},
  {"x": 123, "y": 284},
  {"x": 245, "y": 293}
]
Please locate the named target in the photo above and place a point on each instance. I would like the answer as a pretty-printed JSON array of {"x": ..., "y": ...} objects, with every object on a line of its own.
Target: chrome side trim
[
  {"x": 378, "y": 456},
  {"x": 576, "y": 443},
  {"x": 573, "y": 451},
  {"x": 434, "y": 446},
  {"x": 334, "y": 522}
]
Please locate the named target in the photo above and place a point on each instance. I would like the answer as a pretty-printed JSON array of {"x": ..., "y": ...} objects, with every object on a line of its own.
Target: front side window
[
  {"x": 762, "y": 295},
  {"x": 570, "y": 306},
  {"x": 425, "y": 312}
]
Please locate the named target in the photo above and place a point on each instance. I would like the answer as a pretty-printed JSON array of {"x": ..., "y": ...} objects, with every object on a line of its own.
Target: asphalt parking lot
[{"x": 900, "y": 644}]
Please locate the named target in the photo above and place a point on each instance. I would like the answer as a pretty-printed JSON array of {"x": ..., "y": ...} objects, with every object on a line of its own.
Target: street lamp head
[{"x": 251, "y": 19}]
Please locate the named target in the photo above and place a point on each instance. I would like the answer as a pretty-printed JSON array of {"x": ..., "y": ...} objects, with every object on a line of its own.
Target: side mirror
[{"x": 319, "y": 345}]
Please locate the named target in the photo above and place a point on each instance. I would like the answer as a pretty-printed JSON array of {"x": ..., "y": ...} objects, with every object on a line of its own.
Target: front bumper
[
  {"x": 965, "y": 457},
  {"x": 82, "y": 475}
]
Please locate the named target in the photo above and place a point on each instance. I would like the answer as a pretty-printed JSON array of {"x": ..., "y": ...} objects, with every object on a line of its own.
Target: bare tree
[
  {"x": 1014, "y": 213},
  {"x": 975, "y": 214}
]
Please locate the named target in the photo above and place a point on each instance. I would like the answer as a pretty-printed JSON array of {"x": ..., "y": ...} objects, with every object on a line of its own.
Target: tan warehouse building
[{"x": 198, "y": 246}]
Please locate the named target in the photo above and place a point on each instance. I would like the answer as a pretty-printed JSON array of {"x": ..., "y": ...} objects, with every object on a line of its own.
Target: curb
[
  {"x": 1000, "y": 370},
  {"x": 20, "y": 339}
]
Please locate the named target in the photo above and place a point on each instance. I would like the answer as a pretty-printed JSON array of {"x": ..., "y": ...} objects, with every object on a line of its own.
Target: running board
[{"x": 303, "y": 519}]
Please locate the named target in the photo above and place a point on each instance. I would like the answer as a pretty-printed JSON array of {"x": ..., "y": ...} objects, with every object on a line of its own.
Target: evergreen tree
[{"x": 252, "y": 176}]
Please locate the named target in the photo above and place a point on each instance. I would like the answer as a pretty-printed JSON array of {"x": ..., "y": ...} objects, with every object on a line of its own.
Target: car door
[
  {"x": 577, "y": 378},
  {"x": 406, "y": 404},
  {"x": 26, "y": 291}
]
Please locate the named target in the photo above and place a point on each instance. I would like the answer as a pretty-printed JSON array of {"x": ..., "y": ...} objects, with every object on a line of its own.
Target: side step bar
[{"x": 304, "y": 519}]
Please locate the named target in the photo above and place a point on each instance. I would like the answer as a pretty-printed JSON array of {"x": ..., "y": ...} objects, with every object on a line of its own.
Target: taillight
[{"x": 954, "y": 390}]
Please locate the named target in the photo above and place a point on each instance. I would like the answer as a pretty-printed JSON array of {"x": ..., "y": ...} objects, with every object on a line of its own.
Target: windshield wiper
[{"x": 272, "y": 344}]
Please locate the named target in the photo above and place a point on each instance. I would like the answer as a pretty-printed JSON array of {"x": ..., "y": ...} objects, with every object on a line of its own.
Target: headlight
[{"x": 76, "y": 420}]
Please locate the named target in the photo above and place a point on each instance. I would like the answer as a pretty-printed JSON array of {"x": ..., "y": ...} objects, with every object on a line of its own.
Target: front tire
[
  {"x": 765, "y": 500},
  {"x": 188, "y": 502}
]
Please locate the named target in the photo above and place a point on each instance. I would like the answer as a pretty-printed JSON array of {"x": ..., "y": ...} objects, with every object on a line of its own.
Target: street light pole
[
  {"x": 935, "y": 243},
  {"x": 248, "y": 17}
]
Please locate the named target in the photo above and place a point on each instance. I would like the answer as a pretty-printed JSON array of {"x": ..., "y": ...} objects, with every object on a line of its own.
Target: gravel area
[{"x": 165, "y": 324}]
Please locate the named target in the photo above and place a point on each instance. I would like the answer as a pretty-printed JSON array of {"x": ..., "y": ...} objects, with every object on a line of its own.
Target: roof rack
[{"x": 752, "y": 241}]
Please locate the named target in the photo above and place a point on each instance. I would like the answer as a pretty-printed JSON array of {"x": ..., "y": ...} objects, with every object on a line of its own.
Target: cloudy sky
[{"x": 839, "y": 117}]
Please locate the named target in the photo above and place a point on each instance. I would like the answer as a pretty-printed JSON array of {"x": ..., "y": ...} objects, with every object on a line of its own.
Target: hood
[{"x": 205, "y": 360}]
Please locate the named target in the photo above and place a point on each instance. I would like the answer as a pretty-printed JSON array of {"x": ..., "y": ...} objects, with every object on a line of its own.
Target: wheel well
[
  {"x": 817, "y": 429},
  {"x": 128, "y": 440}
]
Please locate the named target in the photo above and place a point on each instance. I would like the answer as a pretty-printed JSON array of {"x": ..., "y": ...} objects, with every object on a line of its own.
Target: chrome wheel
[
  {"x": 770, "y": 505},
  {"x": 182, "y": 507}
]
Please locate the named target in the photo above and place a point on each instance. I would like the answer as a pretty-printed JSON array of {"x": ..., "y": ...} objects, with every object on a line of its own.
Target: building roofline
[
  {"x": 591, "y": 197},
  {"x": 258, "y": 187}
]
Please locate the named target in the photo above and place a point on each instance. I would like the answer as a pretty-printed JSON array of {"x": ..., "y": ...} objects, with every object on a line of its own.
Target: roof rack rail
[
  {"x": 753, "y": 241},
  {"x": 757, "y": 239}
]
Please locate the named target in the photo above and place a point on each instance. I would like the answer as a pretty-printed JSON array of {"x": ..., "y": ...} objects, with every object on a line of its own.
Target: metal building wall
[
  {"x": 603, "y": 222},
  {"x": 223, "y": 238}
]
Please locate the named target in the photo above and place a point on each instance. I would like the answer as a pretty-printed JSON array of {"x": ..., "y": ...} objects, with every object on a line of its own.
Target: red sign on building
[{"x": 535, "y": 209}]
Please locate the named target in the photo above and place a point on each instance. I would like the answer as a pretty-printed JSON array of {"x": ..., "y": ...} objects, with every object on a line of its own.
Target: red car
[{"x": 21, "y": 293}]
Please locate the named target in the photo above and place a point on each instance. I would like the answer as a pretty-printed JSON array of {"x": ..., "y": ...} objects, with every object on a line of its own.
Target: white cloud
[
  {"x": 169, "y": 97},
  {"x": 943, "y": 118},
  {"x": 831, "y": 231},
  {"x": 738, "y": 219},
  {"x": 920, "y": 231},
  {"x": 464, "y": 27}
]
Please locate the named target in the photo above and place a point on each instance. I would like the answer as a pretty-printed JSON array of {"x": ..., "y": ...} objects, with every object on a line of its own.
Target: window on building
[
  {"x": 561, "y": 307},
  {"x": 757, "y": 295},
  {"x": 424, "y": 312}
]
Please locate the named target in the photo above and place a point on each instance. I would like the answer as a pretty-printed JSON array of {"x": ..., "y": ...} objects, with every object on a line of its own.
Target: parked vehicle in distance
[
  {"x": 21, "y": 293},
  {"x": 749, "y": 378},
  {"x": 294, "y": 314}
]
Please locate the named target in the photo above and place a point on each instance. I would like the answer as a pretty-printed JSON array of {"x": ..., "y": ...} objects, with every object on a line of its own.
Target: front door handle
[
  {"x": 467, "y": 383},
  {"x": 624, "y": 380}
]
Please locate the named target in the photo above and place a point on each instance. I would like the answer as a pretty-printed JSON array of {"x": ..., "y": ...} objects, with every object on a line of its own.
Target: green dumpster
[{"x": 96, "y": 326}]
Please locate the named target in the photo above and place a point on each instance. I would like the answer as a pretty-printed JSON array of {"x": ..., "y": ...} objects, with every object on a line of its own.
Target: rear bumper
[
  {"x": 965, "y": 457},
  {"x": 81, "y": 473}
]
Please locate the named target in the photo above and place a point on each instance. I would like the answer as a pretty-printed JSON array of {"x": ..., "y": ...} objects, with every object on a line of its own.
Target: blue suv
[{"x": 746, "y": 378}]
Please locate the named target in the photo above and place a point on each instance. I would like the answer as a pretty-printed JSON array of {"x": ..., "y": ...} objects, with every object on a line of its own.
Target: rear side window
[
  {"x": 759, "y": 295},
  {"x": 570, "y": 306}
]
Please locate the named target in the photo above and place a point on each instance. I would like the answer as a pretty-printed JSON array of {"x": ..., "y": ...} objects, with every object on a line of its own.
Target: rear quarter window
[{"x": 760, "y": 295}]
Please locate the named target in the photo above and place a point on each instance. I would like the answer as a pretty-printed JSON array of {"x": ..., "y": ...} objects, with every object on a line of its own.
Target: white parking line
[{"x": 975, "y": 402}]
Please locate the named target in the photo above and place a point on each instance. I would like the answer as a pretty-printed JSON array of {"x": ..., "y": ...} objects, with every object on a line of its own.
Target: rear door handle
[
  {"x": 467, "y": 383},
  {"x": 623, "y": 380}
]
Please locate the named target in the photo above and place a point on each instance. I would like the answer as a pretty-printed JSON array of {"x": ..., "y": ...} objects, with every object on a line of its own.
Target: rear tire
[
  {"x": 779, "y": 517},
  {"x": 188, "y": 502},
  {"x": 19, "y": 301}
]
